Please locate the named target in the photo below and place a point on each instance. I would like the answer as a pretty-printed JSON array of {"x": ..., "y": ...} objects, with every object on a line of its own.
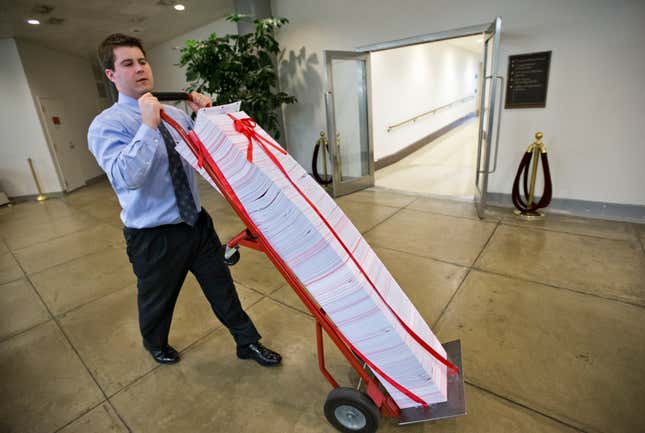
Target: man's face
[{"x": 132, "y": 74}]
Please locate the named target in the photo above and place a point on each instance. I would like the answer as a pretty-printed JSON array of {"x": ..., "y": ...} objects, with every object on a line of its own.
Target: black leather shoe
[
  {"x": 167, "y": 355},
  {"x": 261, "y": 354}
]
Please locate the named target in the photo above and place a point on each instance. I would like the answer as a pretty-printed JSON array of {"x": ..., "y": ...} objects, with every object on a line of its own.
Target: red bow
[{"x": 246, "y": 127}]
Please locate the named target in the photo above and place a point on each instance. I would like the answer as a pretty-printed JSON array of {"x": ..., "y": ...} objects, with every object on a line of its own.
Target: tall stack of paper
[{"x": 346, "y": 287}]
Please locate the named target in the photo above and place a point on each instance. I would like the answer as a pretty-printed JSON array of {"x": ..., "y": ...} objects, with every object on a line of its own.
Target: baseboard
[
  {"x": 97, "y": 179},
  {"x": 588, "y": 209},
  {"x": 33, "y": 197},
  {"x": 397, "y": 156}
]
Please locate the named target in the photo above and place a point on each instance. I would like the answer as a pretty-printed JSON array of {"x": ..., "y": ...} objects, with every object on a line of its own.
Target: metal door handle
[{"x": 499, "y": 122}]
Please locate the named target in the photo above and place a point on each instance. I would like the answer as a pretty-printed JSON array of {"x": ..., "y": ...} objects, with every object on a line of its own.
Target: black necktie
[{"x": 185, "y": 201}]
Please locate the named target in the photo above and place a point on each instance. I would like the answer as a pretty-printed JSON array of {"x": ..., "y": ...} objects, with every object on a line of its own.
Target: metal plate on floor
[{"x": 456, "y": 404}]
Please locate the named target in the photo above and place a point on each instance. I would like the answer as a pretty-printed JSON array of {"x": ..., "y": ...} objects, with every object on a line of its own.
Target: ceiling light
[
  {"x": 179, "y": 7},
  {"x": 32, "y": 21}
]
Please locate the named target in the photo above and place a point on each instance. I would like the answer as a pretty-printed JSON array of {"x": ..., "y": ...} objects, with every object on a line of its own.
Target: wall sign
[{"x": 527, "y": 80}]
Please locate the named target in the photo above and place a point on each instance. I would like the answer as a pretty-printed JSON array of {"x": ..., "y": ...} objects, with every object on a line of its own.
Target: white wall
[
  {"x": 596, "y": 98},
  {"x": 55, "y": 74},
  {"x": 164, "y": 57},
  {"x": 21, "y": 134},
  {"x": 413, "y": 80}
]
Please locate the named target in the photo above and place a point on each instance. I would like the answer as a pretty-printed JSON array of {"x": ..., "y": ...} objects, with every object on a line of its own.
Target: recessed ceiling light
[
  {"x": 179, "y": 7},
  {"x": 34, "y": 22}
]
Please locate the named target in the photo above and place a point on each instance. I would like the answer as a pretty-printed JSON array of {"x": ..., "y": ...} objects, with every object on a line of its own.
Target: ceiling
[{"x": 78, "y": 27}]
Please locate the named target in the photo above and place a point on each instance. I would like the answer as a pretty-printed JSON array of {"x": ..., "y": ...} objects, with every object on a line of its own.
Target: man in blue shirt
[{"x": 167, "y": 231}]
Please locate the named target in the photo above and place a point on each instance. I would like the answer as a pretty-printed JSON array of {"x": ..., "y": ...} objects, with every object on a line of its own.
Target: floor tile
[
  {"x": 364, "y": 216},
  {"x": 227, "y": 224},
  {"x": 256, "y": 271},
  {"x": 106, "y": 332},
  {"x": 380, "y": 196},
  {"x": 106, "y": 209},
  {"x": 486, "y": 414},
  {"x": 576, "y": 225},
  {"x": 560, "y": 352},
  {"x": 286, "y": 295},
  {"x": 101, "y": 419},
  {"x": 610, "y": 268},
  {"x": 428, "y": 283},
  {"x": 90, "y": 194},
  {"x": 465, "y": 209},
  {"x": 213, "y": 202},
  {"x": 36, "y": 212},
  {"x": 220, "y": 392},
  {"x": 60, "y": 250},
  {"x": 42, "y": 382},
  {"x": 84, "y": 279},
  {"x": 3, "y": 247},
  {"x": 456, "y": 240},
  {"x": 20, "y": 308},
  {"x": 640, "y": 229},
  {"x": 18, "y": 234},
  {"x": 9, "y": 268}
]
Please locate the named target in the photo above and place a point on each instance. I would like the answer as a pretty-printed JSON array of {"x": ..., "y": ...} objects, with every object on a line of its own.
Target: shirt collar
[{"x": 127, "y": 100}]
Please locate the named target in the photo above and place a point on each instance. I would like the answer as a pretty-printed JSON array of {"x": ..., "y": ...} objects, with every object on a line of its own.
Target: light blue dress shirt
[{"x": 134, "y": 157}]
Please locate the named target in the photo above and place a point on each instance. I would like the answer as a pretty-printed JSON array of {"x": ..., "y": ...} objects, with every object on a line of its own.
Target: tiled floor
[{"x": 551, "y": 316}]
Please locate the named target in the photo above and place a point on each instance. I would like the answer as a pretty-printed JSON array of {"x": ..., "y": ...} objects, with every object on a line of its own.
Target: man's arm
[{"x": 125, "y": 159}]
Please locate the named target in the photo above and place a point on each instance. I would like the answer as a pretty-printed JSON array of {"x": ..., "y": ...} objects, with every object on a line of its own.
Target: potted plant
[{"x": 240, "y": 68}]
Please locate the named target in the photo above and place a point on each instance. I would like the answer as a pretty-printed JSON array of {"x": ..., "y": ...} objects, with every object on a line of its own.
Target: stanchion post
[
  {"x": 323, "y": 143},
  {"x": 537, "y": 145},
  {"x": 41, "y": 196},
  {"x": 537, "y": 148}
]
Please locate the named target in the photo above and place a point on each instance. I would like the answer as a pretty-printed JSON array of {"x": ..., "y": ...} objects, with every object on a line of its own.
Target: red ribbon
[{"x": 246, "y": 127}]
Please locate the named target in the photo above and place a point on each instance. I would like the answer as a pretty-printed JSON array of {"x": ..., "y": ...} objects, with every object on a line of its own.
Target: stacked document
[{"x": 324, "y": 250}]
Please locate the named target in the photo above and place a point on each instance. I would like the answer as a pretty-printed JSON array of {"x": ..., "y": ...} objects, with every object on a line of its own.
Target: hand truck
[{"x": 348, "y": 409}]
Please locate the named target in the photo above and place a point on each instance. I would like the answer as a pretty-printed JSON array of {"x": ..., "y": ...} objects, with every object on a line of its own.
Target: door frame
[
  {"x": 479, "y": 29},
  {"x": 429, "y": 37},
  {"x": 341, "y": 187},
  {"x": 50, "y": 141}
]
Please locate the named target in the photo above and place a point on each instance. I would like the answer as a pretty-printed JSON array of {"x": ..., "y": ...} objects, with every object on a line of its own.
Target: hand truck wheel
[
  {"x": 229, "y": 256},
  {"x": 351, "y": 411}
]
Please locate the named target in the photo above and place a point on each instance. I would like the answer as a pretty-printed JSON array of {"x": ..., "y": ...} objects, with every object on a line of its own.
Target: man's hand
[
  {"x": 150, "y": 108},
  {"x": 197, "y": 101}
]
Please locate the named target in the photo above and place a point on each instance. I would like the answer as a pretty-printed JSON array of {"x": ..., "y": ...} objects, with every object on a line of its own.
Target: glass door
[
  {"x": 349, "y": 125},
  {"x": 487, "y": 119}
]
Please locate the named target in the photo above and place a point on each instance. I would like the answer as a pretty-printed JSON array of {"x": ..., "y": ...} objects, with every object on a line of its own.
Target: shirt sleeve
[{"x": 125, "y": 159}]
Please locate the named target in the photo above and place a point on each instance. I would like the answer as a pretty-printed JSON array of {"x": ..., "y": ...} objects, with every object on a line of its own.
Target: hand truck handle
[{"x": 172, "y": 96}]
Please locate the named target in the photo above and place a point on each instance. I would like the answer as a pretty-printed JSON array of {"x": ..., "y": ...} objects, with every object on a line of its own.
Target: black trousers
[{"x": 161, "y": 258}]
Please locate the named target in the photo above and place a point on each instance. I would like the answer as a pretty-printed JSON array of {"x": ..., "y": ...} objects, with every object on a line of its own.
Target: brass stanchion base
[
  {"x": 529, "y": 215},
  {"x": 41, "y": 197}
]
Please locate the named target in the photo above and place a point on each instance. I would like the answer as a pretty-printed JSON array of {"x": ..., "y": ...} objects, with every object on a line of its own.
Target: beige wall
[
  {"x": 164, "y": 57},
  {"x": 54, "y": 74},
  {"x": 21, "y": 135},
  {"x": 595, "y": 99}
]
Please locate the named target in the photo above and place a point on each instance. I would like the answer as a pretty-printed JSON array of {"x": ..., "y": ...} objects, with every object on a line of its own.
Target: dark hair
[{"x": 106, "y": 49}]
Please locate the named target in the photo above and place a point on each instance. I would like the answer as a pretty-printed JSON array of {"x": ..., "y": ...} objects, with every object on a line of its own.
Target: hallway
[
  {"x": 550, "y": 315},
  {"x": 443, "y": 167}
]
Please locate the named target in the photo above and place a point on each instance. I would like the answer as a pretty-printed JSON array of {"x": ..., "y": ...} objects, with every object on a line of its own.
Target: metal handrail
[{"x": 427, "y": 113}]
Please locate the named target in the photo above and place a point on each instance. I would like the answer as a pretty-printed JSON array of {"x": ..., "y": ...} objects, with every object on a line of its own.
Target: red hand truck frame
[{"x": 347, "y": 409}]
